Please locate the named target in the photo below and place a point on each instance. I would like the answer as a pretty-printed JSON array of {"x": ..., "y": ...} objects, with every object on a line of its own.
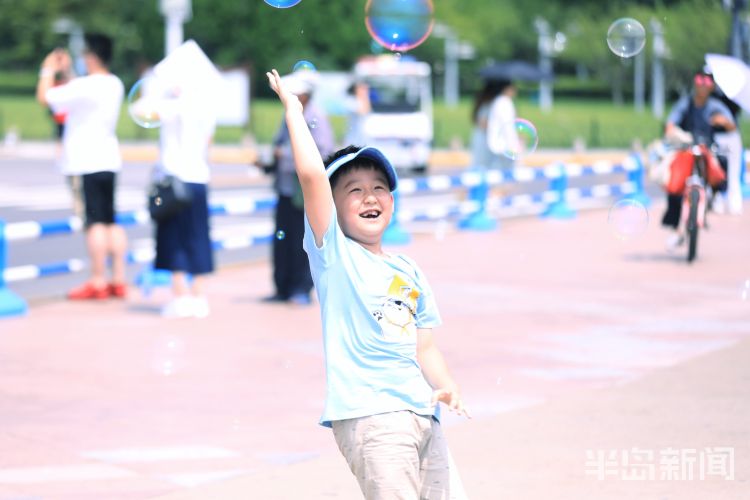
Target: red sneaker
[
  {"x": 87, "y": 291},
  {"x": 118, "y": 290}
]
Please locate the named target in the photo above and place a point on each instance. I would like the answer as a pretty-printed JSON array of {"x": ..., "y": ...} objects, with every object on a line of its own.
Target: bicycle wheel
[{"x": 692, "y": 223}]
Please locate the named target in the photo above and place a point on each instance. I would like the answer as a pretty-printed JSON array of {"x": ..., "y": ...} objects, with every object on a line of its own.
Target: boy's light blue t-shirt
[{"x": 371, "y": 307}]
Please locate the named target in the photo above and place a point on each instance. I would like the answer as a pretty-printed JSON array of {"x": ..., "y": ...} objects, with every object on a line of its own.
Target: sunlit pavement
[{"x": 565, "y": 339}]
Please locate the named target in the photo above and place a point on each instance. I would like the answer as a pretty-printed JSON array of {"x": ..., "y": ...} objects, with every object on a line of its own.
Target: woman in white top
[
  {"x": 183, "y": 243},
  {"x": 494, "y": 141},
  {"x": 502, "y": 138}
]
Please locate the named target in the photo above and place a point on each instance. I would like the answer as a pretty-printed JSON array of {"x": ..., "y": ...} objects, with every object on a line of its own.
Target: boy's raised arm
[{"x": 311, "y": 172}]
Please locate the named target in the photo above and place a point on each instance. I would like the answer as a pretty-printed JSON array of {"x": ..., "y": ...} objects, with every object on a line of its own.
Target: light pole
[
  {"x": 76, "y": 43},
  {"x": 455, "y": 50},
  {"x": 175, "y": 12},
  {"x": 548, "y": 48},
  {"x": 659, "y": 52},
  {"x": 639, "y": 82}
]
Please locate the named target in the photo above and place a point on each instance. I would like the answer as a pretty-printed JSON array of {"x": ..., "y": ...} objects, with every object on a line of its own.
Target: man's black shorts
[{"x": 99, "y": 197}]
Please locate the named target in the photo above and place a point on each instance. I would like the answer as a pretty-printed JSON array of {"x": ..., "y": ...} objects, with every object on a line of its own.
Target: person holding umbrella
[
  {"x": 493, "y": 116},
  {"x": 495, "y": 142},
  {"x": 502, "y": 137}
]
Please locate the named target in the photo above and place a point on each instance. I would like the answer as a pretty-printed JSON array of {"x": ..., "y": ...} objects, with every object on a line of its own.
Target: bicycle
[
  {"x": 695, "y": 200},
  {"x": 697, "y": 187}
]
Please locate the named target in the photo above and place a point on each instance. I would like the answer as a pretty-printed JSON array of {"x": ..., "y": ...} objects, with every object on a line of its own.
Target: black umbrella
[{"x": 514, "y": 71}]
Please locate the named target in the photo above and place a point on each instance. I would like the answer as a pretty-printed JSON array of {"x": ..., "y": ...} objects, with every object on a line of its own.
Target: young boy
[{"x": 385, "y": 375}]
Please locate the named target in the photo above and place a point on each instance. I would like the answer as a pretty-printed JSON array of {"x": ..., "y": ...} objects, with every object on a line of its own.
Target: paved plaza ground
[{"x": 579, "y": 353}]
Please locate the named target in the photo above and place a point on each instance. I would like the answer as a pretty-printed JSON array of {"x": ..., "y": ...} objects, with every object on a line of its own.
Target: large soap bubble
[
  {"x": 626, "y": 37},
  {"x": 282, "y": 4},
  {"x": 143, "y": 103},
  {"x": 399, "y": 25}
]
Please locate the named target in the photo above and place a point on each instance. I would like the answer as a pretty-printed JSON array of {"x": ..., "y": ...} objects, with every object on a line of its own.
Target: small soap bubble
[
  {"x": 628, "y": 218},
  {"x": 745, "y": 291},
  {"x": 168, "y": 355},
  {"x": 143, "y": 103},
  {"x": 313, "y": 123},
  {"x": 282, "y": 4},
  {"x": 303, "y": 66},
  {"x": 280, "y": 235},
  {"x": 399, "y": 25},
  {"x": 528, "y": 139},
  {"x": 626, "y": 37}
]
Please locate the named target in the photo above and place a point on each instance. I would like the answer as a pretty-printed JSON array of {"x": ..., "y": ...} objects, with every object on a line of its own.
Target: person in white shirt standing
[
  {"x": 90, "y": 149},
  {"x": 183, "y": 244},
  {"x": 502, "y": 138}
]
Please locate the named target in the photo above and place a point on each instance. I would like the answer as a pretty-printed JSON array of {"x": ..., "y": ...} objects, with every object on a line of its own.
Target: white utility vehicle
[{"x": 400, "y": 120}]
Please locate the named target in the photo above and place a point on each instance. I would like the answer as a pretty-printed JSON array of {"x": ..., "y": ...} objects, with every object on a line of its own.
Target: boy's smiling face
[{"x": 364, "y": 204}]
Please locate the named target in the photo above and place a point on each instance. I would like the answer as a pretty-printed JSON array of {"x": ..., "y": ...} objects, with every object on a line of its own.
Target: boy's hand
[
  {"x": 452, "y": 399},
  {"x": 289, "y": 100}
]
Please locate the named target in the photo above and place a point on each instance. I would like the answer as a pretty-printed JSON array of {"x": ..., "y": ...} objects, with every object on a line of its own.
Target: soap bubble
[
  {"x": 399, "y": 25},
  {"x": 304, "y": 66},
  {"x": 626, "y": 37},
  {"x": 282, "y": 4},
  {"x": 143, "y": 103},
  {"x": 528, "y": 139},
  {"x": 168, "y": 355},
  {"x": 280, "y": 235},
  {"x": 628, "y": 218}
]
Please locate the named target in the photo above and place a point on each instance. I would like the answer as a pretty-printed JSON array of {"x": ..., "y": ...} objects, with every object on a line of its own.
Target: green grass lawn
[{"x": 598, "y": 123}]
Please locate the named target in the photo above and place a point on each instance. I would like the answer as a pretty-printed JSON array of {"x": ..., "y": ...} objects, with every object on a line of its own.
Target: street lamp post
[
  {"x": 455, "y": 50},
  {"x": 76, "y": 43},
  {"x": 738, "y": 38},
  {"x": 548, "y": 46},
  {"x": 639, "y": 82},
  {"x": 176, "y": 13},
  {"x": 659, "y": 51}
]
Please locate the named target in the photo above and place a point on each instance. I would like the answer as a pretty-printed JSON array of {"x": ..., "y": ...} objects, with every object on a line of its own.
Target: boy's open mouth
[{"x": 370, "y": 214}]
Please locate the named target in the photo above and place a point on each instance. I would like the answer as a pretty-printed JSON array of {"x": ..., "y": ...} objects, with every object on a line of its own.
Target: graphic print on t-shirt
[{"x": 397, "y": 314}]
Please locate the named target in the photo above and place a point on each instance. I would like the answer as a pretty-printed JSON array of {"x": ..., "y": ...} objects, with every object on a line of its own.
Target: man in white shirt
[{"x": 90, "y": 149}]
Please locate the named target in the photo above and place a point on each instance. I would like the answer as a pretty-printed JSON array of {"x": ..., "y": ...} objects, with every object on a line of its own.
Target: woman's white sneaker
[
  {"x": 178, "y": 307},
  {"x": 200, "y": 307}
]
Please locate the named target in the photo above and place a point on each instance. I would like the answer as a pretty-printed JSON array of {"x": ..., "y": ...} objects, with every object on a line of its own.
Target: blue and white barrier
[
  {"x": 552, "y": 201},
  {"x": 32, "y": 230},
  {"x": 13, "y": 305},
  {"x": 558, "y": 196},
  {"x": 10, "y": 303}
]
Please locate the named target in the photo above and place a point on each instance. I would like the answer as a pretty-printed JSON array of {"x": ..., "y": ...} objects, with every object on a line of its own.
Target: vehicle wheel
[{"x": 692, "y": 224}]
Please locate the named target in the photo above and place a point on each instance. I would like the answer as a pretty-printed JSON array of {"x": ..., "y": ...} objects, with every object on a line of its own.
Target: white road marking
[
  {"x": 81, "y": 472},
  {"x": 198, "y": 478},
  {"x": 140, "y": 455}
]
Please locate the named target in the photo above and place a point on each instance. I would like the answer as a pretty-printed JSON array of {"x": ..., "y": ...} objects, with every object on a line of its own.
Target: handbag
[
  {"x": 167, "y": 197},
  {"x": 682, "y": 168}
]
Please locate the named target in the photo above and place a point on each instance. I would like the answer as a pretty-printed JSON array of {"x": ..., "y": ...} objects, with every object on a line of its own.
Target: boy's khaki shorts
[{"x": 397, "y": 455}]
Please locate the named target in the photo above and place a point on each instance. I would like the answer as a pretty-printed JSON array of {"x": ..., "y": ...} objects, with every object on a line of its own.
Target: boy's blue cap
[{"x": 373, "y": 154}]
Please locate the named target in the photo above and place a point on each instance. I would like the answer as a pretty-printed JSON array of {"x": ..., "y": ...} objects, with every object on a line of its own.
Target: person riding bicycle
[{"x": 700, "y": 115}]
